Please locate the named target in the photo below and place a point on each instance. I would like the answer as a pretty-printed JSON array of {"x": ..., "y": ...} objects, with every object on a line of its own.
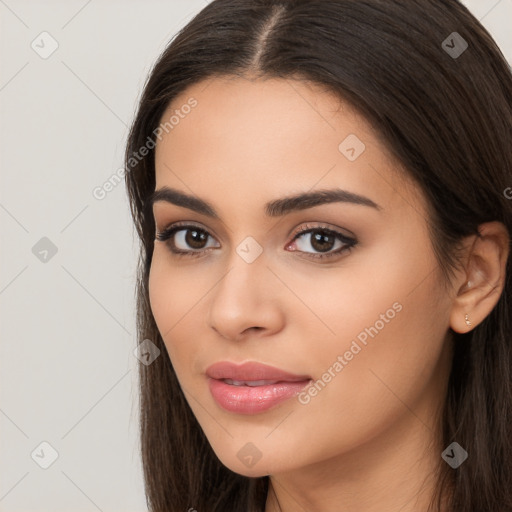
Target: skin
[{"x": 369, "y": 440}]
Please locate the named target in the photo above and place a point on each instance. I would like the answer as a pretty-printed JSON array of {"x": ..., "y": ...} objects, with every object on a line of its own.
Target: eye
[
  {"x": 192, "y": 241},
  {"x": 322, "y": 239},
  {"x": 183, "y": 237}
]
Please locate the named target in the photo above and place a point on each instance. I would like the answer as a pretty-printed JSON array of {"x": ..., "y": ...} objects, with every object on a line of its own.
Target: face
[{"x": 339, "y": 294}]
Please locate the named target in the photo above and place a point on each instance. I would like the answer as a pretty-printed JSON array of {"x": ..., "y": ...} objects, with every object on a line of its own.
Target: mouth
[
  {"x": 252, "y": 387},
  {"x": 251, "y": 383},
  {"x": 251, "y": 373}
]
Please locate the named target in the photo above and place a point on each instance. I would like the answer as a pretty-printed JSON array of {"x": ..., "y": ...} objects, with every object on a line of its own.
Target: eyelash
[{"x": 167, "y": 234}]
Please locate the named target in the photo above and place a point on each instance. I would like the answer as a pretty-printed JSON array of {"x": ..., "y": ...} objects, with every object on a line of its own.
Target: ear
[{"x": 480, "y": 283}]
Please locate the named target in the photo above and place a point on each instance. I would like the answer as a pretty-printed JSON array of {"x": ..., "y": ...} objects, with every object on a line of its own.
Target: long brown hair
[{"x": 447, "y": 118}]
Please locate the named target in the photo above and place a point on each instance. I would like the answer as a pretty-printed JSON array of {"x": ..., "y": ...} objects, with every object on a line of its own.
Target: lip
[
  {"x": 245, "y": 399},
  {"x": 251, "y": 371}
]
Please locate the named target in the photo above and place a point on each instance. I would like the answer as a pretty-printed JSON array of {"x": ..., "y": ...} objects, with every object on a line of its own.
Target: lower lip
[{"x": 253, "y": 399}]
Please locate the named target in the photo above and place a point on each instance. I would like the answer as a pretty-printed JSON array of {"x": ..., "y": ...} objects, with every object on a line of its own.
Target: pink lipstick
[{"x": 251, "y": 388}]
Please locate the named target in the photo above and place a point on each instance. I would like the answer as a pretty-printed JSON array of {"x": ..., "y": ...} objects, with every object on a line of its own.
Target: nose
[{"x": 246, "y": 301}]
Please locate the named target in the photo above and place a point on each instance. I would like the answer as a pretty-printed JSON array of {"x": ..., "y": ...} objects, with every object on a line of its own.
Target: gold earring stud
[{"x": 468, "y": 323}]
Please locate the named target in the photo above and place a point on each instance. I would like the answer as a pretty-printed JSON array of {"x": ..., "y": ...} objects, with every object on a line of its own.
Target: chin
[{"x": 260, "y": 468}]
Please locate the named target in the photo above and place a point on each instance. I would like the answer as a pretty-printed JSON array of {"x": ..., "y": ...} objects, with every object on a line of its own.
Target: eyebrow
[{"x": 274, "y": 208}]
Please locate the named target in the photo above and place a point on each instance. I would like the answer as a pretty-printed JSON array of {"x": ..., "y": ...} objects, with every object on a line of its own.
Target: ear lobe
[{"x": 484, "y": 277}]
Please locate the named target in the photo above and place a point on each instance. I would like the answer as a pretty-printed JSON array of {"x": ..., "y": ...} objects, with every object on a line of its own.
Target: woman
[{"x": 320, "y": 192}]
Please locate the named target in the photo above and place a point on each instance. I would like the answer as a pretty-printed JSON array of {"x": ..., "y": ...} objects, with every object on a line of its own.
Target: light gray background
[{"x": 68, "y": 374}]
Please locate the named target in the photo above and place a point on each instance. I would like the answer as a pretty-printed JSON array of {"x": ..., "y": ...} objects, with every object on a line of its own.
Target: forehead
[
  {"x": 268, "y": 137},
  {"x": 252, "y": 114}
]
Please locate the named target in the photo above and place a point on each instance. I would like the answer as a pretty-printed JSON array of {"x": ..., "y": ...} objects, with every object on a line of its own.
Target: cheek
[
  {"x": 159, "y": 293},
  {"x": 170, "y": 298},
  {"x": 176, "y": 294},
  {"x": 389, "y": 326}
]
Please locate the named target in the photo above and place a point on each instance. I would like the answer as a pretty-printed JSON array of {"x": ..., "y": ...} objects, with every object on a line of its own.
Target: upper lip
[{"x": 251, "y": 371}]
